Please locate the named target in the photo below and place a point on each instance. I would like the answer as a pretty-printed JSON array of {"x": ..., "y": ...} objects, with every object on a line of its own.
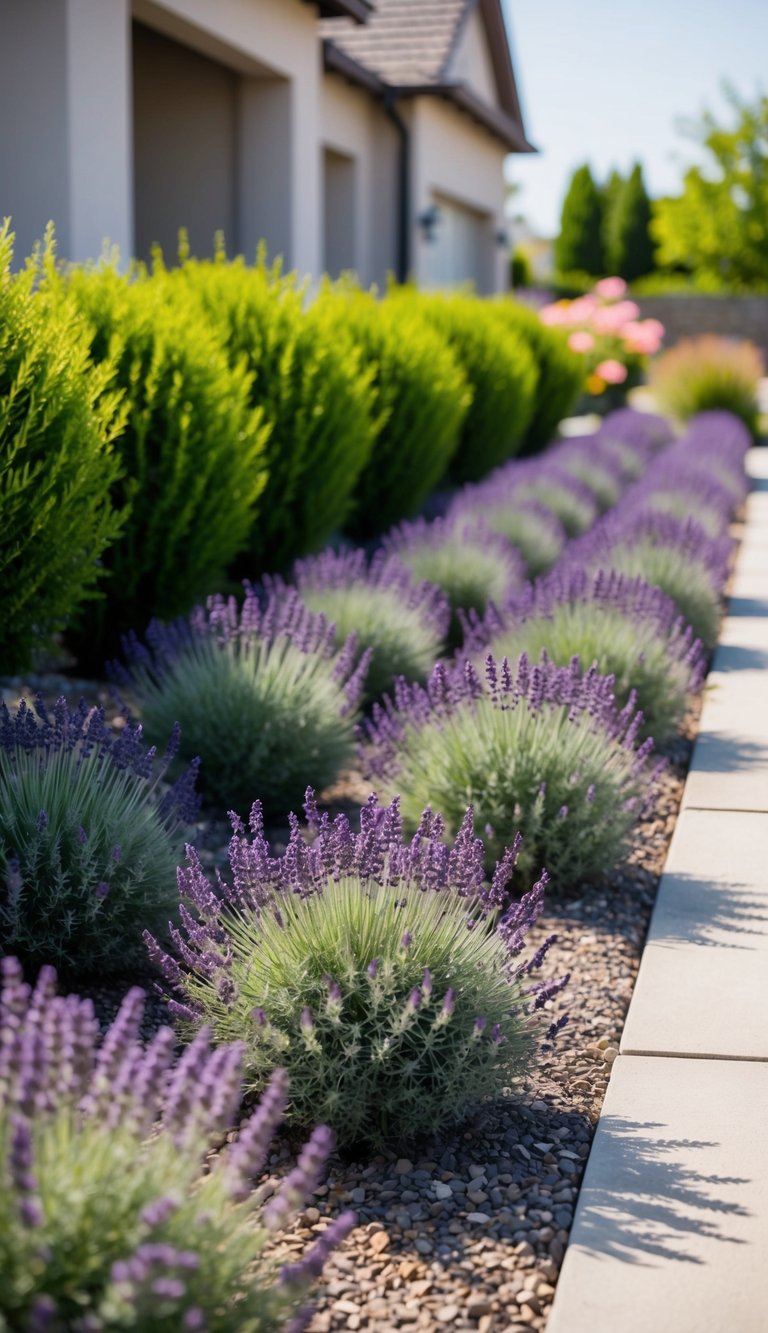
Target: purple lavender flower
[
  {"x": 265, "y": 662},
  {"x": 402, "y": 622}
]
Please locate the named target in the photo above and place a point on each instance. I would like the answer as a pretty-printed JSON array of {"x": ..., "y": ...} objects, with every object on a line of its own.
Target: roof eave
[
  {"x": 359, "y": 10},
  {"x": 498, "y": 123},
  {"x": 338, "y": 62}
]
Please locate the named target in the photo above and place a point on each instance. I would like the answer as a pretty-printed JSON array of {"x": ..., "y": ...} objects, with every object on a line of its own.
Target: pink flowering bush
[{"x": 606, "y": 330}]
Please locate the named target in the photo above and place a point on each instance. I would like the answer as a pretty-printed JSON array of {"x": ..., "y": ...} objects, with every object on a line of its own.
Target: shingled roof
[{"x": 407, "y": 46}]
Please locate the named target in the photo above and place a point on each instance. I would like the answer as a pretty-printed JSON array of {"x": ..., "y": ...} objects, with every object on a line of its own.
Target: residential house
[{"x": 363, "y": 134}]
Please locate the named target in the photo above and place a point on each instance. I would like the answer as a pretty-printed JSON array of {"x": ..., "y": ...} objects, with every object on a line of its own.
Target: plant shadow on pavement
[
  {"x": 697, "y": 911},
  {"x": 646, "y": 1201}
]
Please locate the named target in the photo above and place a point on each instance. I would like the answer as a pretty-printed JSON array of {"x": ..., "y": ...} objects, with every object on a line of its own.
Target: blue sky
[{"x": 608, "y": 81}]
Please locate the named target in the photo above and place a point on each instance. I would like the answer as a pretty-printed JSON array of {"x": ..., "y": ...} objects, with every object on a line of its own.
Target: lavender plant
[
  {"x": 571, "y": 502},
  {"x": 114, "y": 1213},
  {"x": 623, "y": 626},
  {"x": 673, "y": 554},
  {"x": 541, "y": 748},
  {"x": 89, "y": 839},
  {"x": 403, "y": 623},
  {"x": 597, "y": 465},
  {"x": 264, "y": 696},
  {"x": 470, "y": 563},
  {"x": 388, "y": 978},
  {"x": 641, "y": 434},
  {"x": 526, "y": 523}
]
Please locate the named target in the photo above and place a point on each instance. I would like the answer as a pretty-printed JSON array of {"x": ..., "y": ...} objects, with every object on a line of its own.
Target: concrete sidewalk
[{"x": 671, "y": 1230}]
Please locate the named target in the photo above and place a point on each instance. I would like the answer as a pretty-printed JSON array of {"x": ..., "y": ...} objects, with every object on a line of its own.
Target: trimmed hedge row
[{"x": 209, "y": 422}]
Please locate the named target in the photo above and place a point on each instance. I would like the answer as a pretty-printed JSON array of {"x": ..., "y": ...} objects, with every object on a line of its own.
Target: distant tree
[
  {"x": 718, "y": 227},
  {"x": 610, "y": 193},
  {"x": 579, "y": 246},
  {"x": 628, "y": 244}
]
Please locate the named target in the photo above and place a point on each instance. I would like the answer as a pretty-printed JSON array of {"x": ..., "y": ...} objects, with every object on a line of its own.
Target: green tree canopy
[
  {"x": 628, "y": 244},
  {"x": 579, "y": 247},
  {"x": 718, "y": 227}
]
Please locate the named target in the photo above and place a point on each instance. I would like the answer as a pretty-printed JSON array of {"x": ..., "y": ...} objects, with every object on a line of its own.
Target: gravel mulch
[{"x": 469, "y": 1232}]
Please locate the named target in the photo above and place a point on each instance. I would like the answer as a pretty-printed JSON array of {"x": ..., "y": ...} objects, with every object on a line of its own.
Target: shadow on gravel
[
  {"x": 646, "y": 1199},
  {"x": 696, "y": 911}
]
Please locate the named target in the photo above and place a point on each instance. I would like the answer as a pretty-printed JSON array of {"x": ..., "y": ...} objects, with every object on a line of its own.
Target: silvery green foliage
[
  {"x": 649, "y": 536},
  {"x": 538, "y": 748},
  {"x": 472, "y": 564},
  {"x": 89, "y": 839},
  {"x": 114, "y": 1213},
  {"x": 623, "y": 626},
  {"x": 387, "y": 977},
  {"x": 403, "y": 622},
  {"x": 530, "y": 526},
  {"x": 264, "y": 696}
]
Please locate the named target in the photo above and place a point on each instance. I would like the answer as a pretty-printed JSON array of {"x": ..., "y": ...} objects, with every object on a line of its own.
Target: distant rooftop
[{"x": 408, "y": 46}]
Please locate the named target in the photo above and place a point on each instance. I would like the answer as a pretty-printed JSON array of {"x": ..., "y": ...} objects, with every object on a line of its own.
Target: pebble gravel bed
[{"x": 469, "y": 1232}]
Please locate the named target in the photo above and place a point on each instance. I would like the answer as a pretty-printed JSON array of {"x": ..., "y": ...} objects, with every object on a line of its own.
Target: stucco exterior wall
[
  {"x": 471, "y": 63},
  {"x": 275, "y": 48},
  {"x": 65, "y": 114},
  {"x": 355, "y": 125},
  {"x": 455, "y": 158},
  {"x": 185, "y": 134}
]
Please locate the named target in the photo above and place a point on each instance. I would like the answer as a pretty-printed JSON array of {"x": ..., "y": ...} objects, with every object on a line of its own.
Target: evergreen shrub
[
  {"x": 192, "y": 450},
  {"x": 561, "y": 374},
  {"x": 502, "y": 374},
  {"x": 57, "y": 466},
  {"x": 314, "y": 393},
  {"x": 421, "y": 399}
]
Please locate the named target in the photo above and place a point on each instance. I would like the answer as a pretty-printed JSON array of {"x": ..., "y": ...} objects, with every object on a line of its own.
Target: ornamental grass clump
[
  {"x": 115, "y": 1212},
  {"x": 403, "y": 623},
  {"x": 537, "y": 747},
  {"x": 388, "y": 978},
  {"x": 57, "y": 466},
  {"x": 471, "y": 564},
  {"x": 530, "y": 526},
  {"x": 89, "y": 836},
  {"x": 700, "y": 374},
  {"x": 264, "y": 696},
  {"x": 674, "y": 554},
  {"x": 623, "y": 626}
]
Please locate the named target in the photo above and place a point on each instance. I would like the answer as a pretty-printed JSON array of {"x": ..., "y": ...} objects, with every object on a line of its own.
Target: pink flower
[
  {"x": 613, "y": 372},
  {"x": 611, "y": 289},
  {"x": 581, "y": 341},
  {"x": 555, "y": 314}
]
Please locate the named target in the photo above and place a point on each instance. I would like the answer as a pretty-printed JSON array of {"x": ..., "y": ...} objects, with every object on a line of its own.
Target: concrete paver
[
  {"x": 702, "y": 981},
  {"x": 671, "y": 1231},
  {"x": 729, "y": 768}
]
